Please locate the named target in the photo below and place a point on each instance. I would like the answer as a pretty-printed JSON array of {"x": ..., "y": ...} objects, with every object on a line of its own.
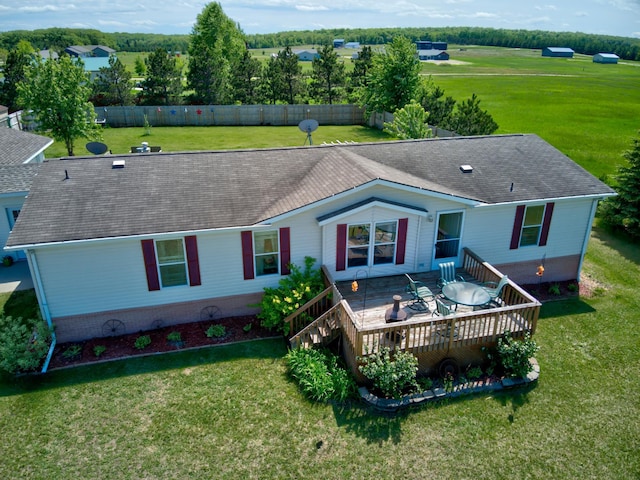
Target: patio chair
[
  {"x": 448, "y": 274},
  {"x": 442, "y": 309},
  {"x": 495, "y": 289},
  {"x": 420, "y": 294}
]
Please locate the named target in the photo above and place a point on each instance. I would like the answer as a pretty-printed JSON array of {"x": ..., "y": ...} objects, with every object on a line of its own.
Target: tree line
[{"x": 58, "y": 39}]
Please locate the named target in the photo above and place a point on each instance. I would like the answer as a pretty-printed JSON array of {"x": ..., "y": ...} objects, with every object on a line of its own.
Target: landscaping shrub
[
  {"x": 392, "y": 376},
  {"x": 174, "y": 337},
  {"x": 216, "y": 331},
  {"x": 292, "y": 292},
  {"x": 320, "y": 375},
  {"x": 513, "y": 355},
  {"x": 72, "y": 351},
  {"x": 23, "y": 343},
  {"x": 99, "y": 350},
  {"x": 142, "y": 342}
]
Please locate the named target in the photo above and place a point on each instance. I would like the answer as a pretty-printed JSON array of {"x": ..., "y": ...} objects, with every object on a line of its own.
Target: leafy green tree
[
  {"x": 291, "y": 75},
  {"x": 23, "y": 344},
  {"x": 469, "y": 119},
  {"x": 432, "y": 99},
  {"x": 272, "y": 84},
  {"x": 394, "y": 77},
  {"x": 411, "y": 121},
  {"x": 17, "y": 62},
  {"x": 113, "y": 85},
  {"x": 623, "y": 212},
  {"x": 328, "y": 75},
  {"x": 140, "y": 67},
  {"x": 57, "y": 91},
  {"x": 217, "y": 45},
  {"x": 163, "y": 84},
  {"x": 245, "y": 82}
]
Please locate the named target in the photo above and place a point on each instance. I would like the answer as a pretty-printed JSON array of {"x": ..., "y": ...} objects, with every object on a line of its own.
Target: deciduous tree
[
  {"x": 18, "y": 60},
  {"x": 216, "y": 47},
  {"x": 394, "y": 77},
  {"x": 57, "y": 91},
  {"x": 328, "y": 75}
]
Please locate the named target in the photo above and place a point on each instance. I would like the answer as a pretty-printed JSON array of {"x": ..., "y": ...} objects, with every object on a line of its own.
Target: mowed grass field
[{"x": 232, "y": 412}]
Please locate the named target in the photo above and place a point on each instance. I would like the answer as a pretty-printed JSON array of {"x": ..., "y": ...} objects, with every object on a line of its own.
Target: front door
[
  {"x": 448, "y": 234},
  {"x": 12, "y": 216}
]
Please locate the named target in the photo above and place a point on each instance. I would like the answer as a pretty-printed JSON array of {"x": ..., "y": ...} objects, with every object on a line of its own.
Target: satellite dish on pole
[
  {"x": 308, "y": 126},
  {"x": 96, "y": 148}
]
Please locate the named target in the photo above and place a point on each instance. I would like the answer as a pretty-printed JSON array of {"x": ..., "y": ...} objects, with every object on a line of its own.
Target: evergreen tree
[
  {"x": 623, "y": 212},
  {"x": 163, "y": 84},
  {"x": 328, "y": 75},
  {"x": 469, "y": 119},
  {"x": 272, "y": 84},
  {"x": 57, "y": 92},
  {"x": 394, "y": 77},
  {"x": 17, "y": 62},
  {"x": 216, "y": 47},
  {"x": 112, "y": 86},
  {"x": 291, "y": 73},
  {"x": 245, "y": 82},
  {"x": 432, "y": 99},
  {"x": 140, "y": 67},
  {"x": 411, "y": 121}
]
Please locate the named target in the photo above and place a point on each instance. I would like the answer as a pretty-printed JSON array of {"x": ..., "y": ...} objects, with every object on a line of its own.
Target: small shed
[
  {"x": 605, "y": 58},
  {"x": 561, "y": 52}
]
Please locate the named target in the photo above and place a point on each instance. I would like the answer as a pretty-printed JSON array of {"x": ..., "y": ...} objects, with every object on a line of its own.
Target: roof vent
[
  {"x": 117, "y": 164},
  {"x": 466, "y": 168}
]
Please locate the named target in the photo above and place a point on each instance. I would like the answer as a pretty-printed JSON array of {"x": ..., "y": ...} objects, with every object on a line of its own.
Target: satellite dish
[
  {"x": 96, "y": 148},
  {"x": 308, "y": 126}
]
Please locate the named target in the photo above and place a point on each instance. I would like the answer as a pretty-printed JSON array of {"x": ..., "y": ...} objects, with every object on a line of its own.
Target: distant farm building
[
  {"x": 338, "y": 42},
  {"x": 432, "y": 54},
  {"x": 429, "y": 45},
  {"x": 352, "y": 45},
  {"x": 605, "y": 58},
  {"x": 561, "y": 52},
  {"x": 306, "y": 55}
]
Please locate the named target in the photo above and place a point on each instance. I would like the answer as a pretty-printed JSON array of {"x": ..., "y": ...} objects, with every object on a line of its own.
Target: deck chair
[
  {"x": 495, "y": 289},
  {"x": 442, "y": 309},
  {"x": 448, "y": 274},
  {"x": 420, "y": 294}
]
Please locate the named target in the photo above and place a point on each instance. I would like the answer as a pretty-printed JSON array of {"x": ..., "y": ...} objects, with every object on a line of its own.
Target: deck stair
[{"x": 318, "y": 333}]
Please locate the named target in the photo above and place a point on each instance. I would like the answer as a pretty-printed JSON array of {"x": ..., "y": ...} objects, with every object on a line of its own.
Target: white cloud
[{"x": 311, "y": 8}]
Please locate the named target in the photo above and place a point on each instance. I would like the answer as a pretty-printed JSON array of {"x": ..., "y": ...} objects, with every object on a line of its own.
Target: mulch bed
[{"x": 192, "y": 335}]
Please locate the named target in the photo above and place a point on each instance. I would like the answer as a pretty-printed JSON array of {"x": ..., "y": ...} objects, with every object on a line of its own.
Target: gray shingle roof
[
  {"x": 17, "y": 147},
  {"x": 17, "y": 178},
  {"x": 173, "y": 192}
]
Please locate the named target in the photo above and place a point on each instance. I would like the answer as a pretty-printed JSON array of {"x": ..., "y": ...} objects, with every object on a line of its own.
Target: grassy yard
[{"x": 231, "y": 412}]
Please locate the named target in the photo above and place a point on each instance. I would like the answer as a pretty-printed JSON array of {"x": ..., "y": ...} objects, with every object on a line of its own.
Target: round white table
[{"x": 466, "y": 293}]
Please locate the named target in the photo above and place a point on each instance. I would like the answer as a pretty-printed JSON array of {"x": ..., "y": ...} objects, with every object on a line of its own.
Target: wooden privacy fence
[{"x": 229, "y": 115}]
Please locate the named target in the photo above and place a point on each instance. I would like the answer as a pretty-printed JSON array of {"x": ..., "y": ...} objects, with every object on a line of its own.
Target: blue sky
[{"x": 609, "y": 17}]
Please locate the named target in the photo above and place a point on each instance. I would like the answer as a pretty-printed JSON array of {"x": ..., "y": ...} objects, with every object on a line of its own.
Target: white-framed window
[
  {"x": 531, "y": 225},
  {"x": 364, "y": 249},
  {"x": 266, "y": 252},
  {"x": 172, "y": 262}
]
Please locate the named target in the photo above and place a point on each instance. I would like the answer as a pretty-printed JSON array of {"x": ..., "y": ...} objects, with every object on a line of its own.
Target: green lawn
[{"x": 231, "y": 412}]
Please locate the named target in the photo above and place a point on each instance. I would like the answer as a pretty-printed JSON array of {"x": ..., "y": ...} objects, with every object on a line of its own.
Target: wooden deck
[{"x": 360, "y": 317}]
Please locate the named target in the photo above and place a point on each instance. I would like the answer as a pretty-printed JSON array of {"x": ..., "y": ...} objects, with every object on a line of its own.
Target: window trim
[
  {"x": 372, "y": 243},
  {"x": 275, "y": 252}
]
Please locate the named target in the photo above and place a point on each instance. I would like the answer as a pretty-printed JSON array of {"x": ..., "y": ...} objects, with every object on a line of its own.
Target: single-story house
[
  {"x": 21, "y": 154},
  {"x": 432, "y": 55},
  {"x": 605, "y": 58},
  {"x": 47, "y": 54},
  {"x": 562, "y": 52},
  {"x": 307, "y": 55},
  {"x": 142, "y": 238}
]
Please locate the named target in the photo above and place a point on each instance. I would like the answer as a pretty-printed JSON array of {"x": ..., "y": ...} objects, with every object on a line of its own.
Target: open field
[{"x": 231, "y": 412}]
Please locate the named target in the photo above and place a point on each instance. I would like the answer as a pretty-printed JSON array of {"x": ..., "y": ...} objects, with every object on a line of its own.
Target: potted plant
[{"x": 7, "y": 260}]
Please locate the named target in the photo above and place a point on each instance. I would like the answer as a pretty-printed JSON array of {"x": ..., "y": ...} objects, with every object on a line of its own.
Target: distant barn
[
  {"x": 338, "y": 42},
  {"x": 605, "y": 58},
  {"x": 562, "y": 52},
  {"x": 307, "y": 55}
]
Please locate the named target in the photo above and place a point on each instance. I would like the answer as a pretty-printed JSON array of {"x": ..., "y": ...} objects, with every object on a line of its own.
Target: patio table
[{"x": 466, "y": 293}]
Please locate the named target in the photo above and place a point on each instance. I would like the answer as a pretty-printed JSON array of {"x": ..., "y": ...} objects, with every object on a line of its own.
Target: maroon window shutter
[
  {"x": 191, "y": 245},
  {"x": 517, "y": 227},
  {"x": 546, "y": 222},
  {"x": 402, "y": 240},
  {"x": 341, "y": 247},
  {"x": 149, "y": 255},
  {"x": 247, "y": 254},
  {"x": 285, "y": 250}
]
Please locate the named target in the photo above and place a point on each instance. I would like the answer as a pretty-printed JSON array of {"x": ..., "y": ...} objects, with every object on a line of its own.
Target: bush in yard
[
  {"x": 23, "y": 343},
  {"x": 391, "y": 375},
  {"x": 320, "y": 375},
  {"x": 216, "y": 331},
  {"x": 292, "y": 292},
  {"x": 513, "y": 355},
  {"x": 142, "y": 342}
]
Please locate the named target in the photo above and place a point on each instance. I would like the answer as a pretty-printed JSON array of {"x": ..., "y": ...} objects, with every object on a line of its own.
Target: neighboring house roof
[
  {"x": 78, "y": 50},
  {"x": 94, "y": 64},
  {"x": 17, "y": 147},
  {"x": 17, "y": 178},
  {"x": 46, "y": 54},
  {"x": 191, "y": 191}
]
